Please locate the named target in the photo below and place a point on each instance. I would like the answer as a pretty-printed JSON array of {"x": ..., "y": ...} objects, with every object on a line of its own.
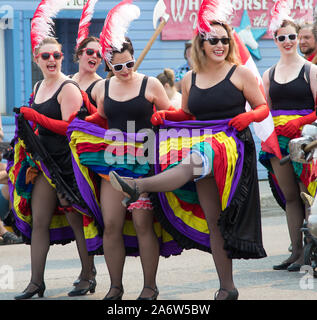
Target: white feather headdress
[
  {"x": 42, "y": 25},
  {"x": 115, "y": 27},
  {"x": 280, "y": 12},
  {"x": 212, "y": 10}
]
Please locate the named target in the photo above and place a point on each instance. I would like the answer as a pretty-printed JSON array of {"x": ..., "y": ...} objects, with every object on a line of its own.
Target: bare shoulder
[
  {"x": 187, "y": 79},
  {"x": 245, "y": 72},
  {"x": 100, "y": 84},
  {"x": 70, "y": 88},
  {"x": 153, "y": 82},
  {"x": 313, "y": 69},
  {"x": 266, "y": 73}
]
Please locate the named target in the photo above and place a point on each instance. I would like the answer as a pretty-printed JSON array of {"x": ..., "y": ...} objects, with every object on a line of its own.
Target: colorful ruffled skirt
[
  {"x": 22, "y": 169},
  {"x": 232, "y": 157},
  {"x": 302, "y": 171},
  {"x": 96, "y": 152}
]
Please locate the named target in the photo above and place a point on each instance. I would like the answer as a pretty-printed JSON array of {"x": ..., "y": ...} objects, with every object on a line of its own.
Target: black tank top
[
  {"x": 137, "y": 109},
  {"x": 221, "y": 101},
  {"x": 57, "y": 145},
  {"x": 88, "y": 91},
  {"x": 295, "y": 94}
]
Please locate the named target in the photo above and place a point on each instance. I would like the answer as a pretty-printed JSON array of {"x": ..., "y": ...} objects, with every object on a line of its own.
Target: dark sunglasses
[
  {"x": 214, "y": 41},
  {"x": 90, "y": 52},
  {"x": 46, "y": 55},
  {"x": 118, "y": 67},
  {"x": 282, "y": 38}
]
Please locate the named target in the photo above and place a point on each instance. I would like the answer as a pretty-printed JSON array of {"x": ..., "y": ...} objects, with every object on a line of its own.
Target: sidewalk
[{"x": 269, "y": 206}]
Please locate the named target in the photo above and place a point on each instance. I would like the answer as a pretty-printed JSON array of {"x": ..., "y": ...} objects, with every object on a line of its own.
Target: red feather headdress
[
  {"x": 115, "y": 27},
  {"x": 280, "y": 12},
  {"x": 84, "y": 23},
  {"x": 212, "y": 10},
  {"x": 42, "y": 25}
]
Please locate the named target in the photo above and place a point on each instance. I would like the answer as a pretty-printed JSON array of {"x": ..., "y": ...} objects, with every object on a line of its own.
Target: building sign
[
  {"x": 183, "y": 15},
  {"x": 75, "y": 4}
]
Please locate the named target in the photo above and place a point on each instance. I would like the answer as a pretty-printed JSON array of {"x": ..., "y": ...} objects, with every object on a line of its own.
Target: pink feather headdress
[
  {"x": 42, "y": 25},
  {"x": 84, "y": 23},
  {"x": 212, "y": 10},
  {"x": 280, "y": 12},
  {"x": 115, "y": 27}
]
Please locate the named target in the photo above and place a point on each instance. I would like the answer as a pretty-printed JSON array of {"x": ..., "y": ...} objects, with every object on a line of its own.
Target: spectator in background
[
  {"x": 167, "y": 79},
  {"x": 307, "y": 42},
  {"x": 182, "y": 70}
]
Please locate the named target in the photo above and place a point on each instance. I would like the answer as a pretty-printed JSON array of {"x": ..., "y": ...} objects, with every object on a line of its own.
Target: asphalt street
[{"x": 190, "y": 276}]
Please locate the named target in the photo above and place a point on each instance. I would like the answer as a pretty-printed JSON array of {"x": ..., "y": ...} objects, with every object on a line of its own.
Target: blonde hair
[
  {"x": 167, "y": 76},
  {"x": 48, "y": 40},
  {"x": 198, "y": 55}
]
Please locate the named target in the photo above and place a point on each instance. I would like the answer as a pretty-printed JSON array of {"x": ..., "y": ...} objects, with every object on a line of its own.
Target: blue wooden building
[{"x": 18, "y": 73}]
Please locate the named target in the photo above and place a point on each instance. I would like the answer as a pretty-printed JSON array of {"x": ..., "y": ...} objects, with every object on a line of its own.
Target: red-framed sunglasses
[
  {"x": 46, "y": 55},
  {"x": 90, "y": 52}
]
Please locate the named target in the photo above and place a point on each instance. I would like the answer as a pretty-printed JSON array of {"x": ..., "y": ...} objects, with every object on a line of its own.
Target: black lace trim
[
  {"x": 236, "y": 247},
  {"x": 68, "y": 189}
]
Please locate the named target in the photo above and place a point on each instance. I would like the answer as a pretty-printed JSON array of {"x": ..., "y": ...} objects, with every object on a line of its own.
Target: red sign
[{"x": 183, "y": 15}]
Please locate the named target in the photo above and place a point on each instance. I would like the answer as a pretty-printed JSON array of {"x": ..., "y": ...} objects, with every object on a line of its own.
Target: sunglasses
[
  {"x": 283, "y": 37},
  {"x": 46, "y": 55},
  {"x": 214, "y": 41},
  {"x": 90, "y": 52},
  {"x": 118, "y": 67}
]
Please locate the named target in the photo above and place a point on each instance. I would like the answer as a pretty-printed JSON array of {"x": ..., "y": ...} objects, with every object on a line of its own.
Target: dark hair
[
  {"x": 167, "y": 76},
  {"x": 127, "y": 46},
  {"x": 286, "y": 23},
  {"x": 82, "y": 46}
]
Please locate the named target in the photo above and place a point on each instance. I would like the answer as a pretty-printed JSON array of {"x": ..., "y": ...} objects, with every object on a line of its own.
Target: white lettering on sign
[
  {"x": 75, "y": 4},
  {"x": 178, "y": 11},
  {"x": 184, "y": 15}
]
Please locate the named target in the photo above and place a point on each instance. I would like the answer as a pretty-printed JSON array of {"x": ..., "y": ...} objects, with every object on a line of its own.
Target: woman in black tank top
[
  {"x": 55, "y": 99},
  {"x": 126, "y": 101},
  {"x": 215, "y": 92},
  {"x": 87, "y": 54},
  {"x": 89, "y": 59},
  {"x": 290, "y": 87}
]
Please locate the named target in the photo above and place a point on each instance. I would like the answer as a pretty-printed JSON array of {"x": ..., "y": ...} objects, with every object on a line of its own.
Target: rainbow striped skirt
[
  {"x": 302, "y": 171},
  {"x": 21, "y": 186},
  {"x": 180, "y": 219},
  {"x": 96, "y": 152}
]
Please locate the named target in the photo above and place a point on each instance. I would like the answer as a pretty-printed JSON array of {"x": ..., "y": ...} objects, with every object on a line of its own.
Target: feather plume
[
  {"x": 115, "y": 27},
  {"x": 84, "y": 23},
  {"x": 212, "y": 10},
  {"x": 280, "y": 12},
  {"x": 42, "y": 24}
]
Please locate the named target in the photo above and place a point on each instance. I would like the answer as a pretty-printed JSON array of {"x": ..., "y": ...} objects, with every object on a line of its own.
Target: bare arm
[
  {"x": 266, "y": 84},
  {"x": 158, "y": 95},
  {"x": 70, "y": 100},
  {"x": 186, "y": 84},
  {"x": 250, "y": 87},
  {"x": 98, "y": 94}
]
